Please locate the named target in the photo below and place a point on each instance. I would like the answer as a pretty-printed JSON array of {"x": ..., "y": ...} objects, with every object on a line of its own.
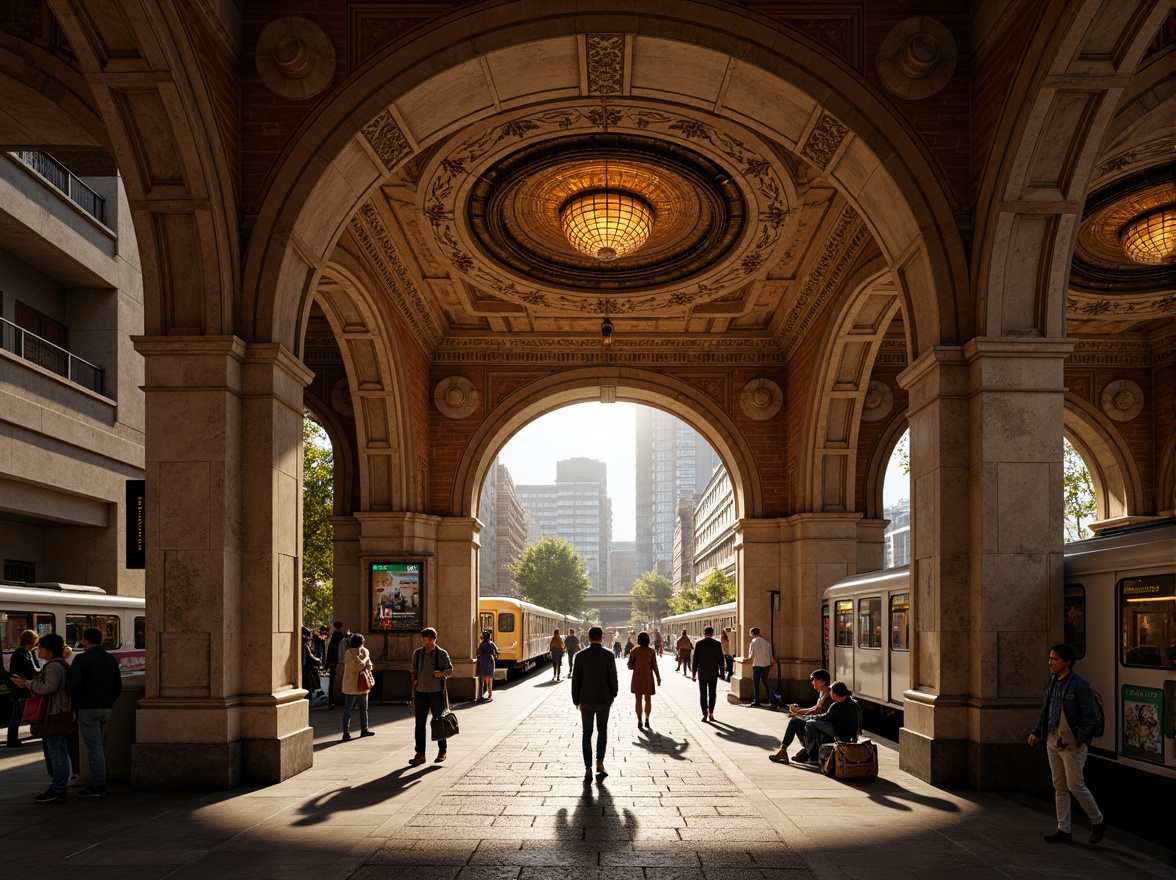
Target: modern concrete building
[
  {"x": 577, "y": 509},
  {"x": 71, "y": 405},
  {"x": 504, "y": 533},
  {"x": 714, "y": 527},
  {"x": 622, "y": 570},
  {"x": 673, "y": 461},
  {"x": 898, "y": 535},
  {"x": 848, "y": 220}
]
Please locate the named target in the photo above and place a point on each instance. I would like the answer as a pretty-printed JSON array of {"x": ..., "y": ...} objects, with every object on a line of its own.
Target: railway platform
[{"x": 686, "y": 800}]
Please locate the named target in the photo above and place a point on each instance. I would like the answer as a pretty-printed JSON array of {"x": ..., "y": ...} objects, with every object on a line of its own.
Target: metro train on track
[
  {"x": 522, "y": 631},
  {"x": 1119, "y": 611}
]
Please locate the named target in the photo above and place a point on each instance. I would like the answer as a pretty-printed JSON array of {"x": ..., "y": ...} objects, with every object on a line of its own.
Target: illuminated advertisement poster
[
  {"x": 396, "y": 596},
  {"x": 1143, "y": 737}
]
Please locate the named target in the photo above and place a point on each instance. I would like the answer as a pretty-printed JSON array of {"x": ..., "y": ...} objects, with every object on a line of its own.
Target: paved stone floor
[{"x": 685, "y": 800}]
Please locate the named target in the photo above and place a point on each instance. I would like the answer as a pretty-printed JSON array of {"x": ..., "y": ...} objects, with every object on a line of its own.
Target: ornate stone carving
[
  {"x": 761, "y": 399},
  {"x": 341, "y": 399},
  {"x": 456, "y": 397},
  {"x": 651, "y": 353},
  {"x": 824, "y": 140},
  {"x": 387, "y": 140},
  {"x": 606, "y": 63},
  {"x": 1145, "y": 307},
  {"x": 917, "y": 58},
  {"x": 878, "y": 403},
  {"x": 1122, "y": 400},
  {"x": 295, "y": 59}
]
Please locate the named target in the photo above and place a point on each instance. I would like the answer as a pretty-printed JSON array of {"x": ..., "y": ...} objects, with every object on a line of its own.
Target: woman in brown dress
[{"x": 643, "y": 662}]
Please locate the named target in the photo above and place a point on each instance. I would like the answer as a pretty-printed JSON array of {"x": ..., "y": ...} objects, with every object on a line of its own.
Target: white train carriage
[{"x": 865, "y": 622}]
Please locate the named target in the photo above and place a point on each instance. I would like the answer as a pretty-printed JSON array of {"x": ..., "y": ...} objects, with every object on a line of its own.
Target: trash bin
[{"x": 120, "y": 731}]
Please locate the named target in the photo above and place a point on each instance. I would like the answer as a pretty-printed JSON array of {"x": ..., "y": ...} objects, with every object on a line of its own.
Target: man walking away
[
  {"x": 572, "y": 645},
  {"x": 759, "y": 654},
  {"x": 1069, "y": 713},
  {"x": 707, "y": 668},
  {"x": 338, "y": 635},
  {"x": 94, "y": 683},
  {"x": 594, "y": 687}
]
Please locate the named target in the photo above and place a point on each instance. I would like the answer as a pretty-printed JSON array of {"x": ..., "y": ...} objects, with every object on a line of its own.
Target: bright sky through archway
[{"x": 602, "y": 431}]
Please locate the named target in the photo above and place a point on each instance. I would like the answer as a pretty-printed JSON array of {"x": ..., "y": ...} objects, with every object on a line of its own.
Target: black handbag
[{"x": 445, "y": 725}]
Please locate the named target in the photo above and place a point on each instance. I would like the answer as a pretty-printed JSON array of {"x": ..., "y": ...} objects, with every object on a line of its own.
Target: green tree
[
  {"x": 686, "y": 600},
  {"x": 1078, "y": 504},
  {"x": 318, "y": 501},
  {"x": 716, "y": 589},
  {"x": 651, "y": 596},
  {"x": 552, "y": 574},
  {"x": 902, "y": 450}
]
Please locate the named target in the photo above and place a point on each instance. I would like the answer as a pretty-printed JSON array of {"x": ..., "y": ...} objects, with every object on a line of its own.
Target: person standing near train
[
  {"x": 22, "y": 664},
  {"x": 94, "y": 684},
  {"x": 1069, "y": 713},
  {"x": 572, "y": 644}
]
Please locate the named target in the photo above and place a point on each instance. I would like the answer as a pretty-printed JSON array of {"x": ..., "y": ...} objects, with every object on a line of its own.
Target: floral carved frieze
[
  {"x": 387, "y": 140},
  {"x": 764, "y": 185},
  {"x": 1140, "y": 307},
  {"x": 606, "y": 63},
  {"x": 824, "y": 140}
]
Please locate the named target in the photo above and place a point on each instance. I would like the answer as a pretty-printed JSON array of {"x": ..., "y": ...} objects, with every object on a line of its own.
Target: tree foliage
[
  {"x": 318, "y": 502},
  {"x": 651, "y": 597},
  {"x": 552, "y": 574},
  {"x": 902, "y": 451},
  {"x": 1078, "y": 504},
  {"x": 716, "y": 589}
]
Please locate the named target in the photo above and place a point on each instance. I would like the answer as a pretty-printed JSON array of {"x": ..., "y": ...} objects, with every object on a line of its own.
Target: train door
[
  {"x": 871, "y": 658},
  {"x": 900, "y": 646}
]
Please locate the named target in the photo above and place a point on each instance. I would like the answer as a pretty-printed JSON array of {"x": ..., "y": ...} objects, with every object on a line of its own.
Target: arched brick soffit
[
  {"x": 344, "y": 461},
  {"x": 47, "y": 87},
  {"x": 624, "y": 384},
  {"x": 741, "y": 65},
  {"x": 1062, "y": 104},
  {"x": 163, "y": 134},
  {"x": 826, "y": 465},
  {"x": 873, "y": 500},
  {"x": 1118, "y": 490},
  {"x": 376, "y": 378}
]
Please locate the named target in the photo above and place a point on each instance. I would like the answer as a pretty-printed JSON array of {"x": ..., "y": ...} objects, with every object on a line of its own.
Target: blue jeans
[
  {"x": 14, "y": 720},
  {"x": 92, "y": 729},
  {"x": 424, "y": 704},
  {"x": 57, "y": 758},
  {"x": 758, "y": 674},
  {"x": 816, "y": 731},
  {"x": 597, "y": 712},
  {"x": 794, "y": 729},
  {"x": 350, "y": 701},
  {"x": 707, "y": 688}
]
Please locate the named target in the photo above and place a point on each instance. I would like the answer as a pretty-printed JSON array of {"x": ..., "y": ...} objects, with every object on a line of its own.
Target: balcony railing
[
  {"x": 51, "y": 357},
  {"x": 62, "y": 178}
]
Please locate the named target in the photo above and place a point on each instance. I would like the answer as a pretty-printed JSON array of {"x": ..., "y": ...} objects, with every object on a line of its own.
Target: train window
[
  {"x": 844, "y": 613},
  {"x": 1147, "y": 617},
  {"x": 485, "y": 621},
  {"x": 109, "y": 624},
  {"x": 870, "y": 622},
  {"x": 12, "y": 624},
  {"x": 140, "y": 633},
  {"x": 506, "y": 622},
  {"x": 900, "y": 622},
  {"x": 1074, "y": 618}
]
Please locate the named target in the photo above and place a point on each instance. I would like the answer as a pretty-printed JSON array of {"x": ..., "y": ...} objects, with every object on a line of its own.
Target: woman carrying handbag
[
  {"x": 357, "y": 682},
  {"x": 57, "y": 719}
]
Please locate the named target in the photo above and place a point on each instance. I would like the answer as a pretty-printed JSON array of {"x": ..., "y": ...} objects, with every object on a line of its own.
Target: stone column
[
  {"x": 760, "y": 558},
  {"x": 223, "y": 463},
  {"x": 456, "y": 600},
  {"x": 986, "y": 576}
]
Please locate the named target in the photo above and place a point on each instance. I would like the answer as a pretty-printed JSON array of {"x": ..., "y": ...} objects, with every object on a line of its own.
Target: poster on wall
[
  {"x": 396, "y": 596},
  {"x": 1143, "y": 735}
]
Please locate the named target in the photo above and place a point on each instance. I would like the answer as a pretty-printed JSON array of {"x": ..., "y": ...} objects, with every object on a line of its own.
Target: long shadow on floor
[
  {"x": 652, "y": 741},
  {"x": 743, "y": 736},
  {"x": 358, "y": 797}
]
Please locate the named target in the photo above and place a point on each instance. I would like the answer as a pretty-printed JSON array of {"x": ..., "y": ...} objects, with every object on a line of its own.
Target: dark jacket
[
  {"x": 594, "y": 677},
  {"x": 333, "y": 648},
  {"x": 708, "y": 658},
  {"x": 572, "y": 644},
  {"x": 94, "y": 681},
  {"x": 1078, "y": 704},
  {"x": 26, "y": 666},
  {"x": 846, "y": 718}
]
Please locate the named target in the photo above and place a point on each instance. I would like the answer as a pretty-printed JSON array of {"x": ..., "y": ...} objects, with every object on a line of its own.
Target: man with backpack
[{"x": 1069, "y": 716}]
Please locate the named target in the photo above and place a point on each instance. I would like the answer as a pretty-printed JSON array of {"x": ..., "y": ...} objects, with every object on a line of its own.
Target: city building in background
[
  {"x": 576, "y": 509},
  {"x": 684, "y": 543},
  {"x": 71, "y": 399},
  {"x": 673, "y": 461},
  {"x": 714, "y": 527},
  {"x": 506, "y": 527},
  {"x": 898, "y": 534},
  {"x": 622, "y": 566}
]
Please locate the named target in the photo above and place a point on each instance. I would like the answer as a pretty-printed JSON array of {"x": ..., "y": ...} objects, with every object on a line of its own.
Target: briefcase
[
  {"x": 857, "y": 760},
  {"x": 444, "y": 726}
]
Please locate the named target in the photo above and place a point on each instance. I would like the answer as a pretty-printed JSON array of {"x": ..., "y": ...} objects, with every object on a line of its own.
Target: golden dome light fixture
[
  {"x": 606, "y": 223},
  {"x": 1150, "y": 238}
]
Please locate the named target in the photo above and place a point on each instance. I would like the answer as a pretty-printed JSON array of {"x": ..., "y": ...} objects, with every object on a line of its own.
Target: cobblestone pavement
[{"x": 685, "y": 800}]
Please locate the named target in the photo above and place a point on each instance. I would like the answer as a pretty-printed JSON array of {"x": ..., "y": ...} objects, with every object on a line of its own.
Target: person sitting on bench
[
  {"x": 842, "y": 721},
  {"x": 820, "y": 679}
]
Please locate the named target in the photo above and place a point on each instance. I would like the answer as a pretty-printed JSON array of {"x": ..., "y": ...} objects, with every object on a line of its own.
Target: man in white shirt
[{"x": 759, "y": 654}]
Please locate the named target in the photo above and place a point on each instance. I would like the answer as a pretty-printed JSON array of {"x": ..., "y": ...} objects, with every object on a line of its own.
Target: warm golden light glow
[
  {"x": 606, "y": 224},
  {"x": 1151, "y": 238}
]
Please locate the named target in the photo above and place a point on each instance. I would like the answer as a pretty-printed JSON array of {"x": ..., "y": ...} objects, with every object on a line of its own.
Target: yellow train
[{"x": 523, "y": 631}]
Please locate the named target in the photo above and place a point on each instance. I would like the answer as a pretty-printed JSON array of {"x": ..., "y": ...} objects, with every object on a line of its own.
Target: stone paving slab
[{"x": 686, "y": 801}]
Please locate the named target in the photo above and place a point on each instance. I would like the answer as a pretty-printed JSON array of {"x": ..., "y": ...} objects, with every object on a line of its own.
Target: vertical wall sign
[{"x": 136, "y": 524}]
